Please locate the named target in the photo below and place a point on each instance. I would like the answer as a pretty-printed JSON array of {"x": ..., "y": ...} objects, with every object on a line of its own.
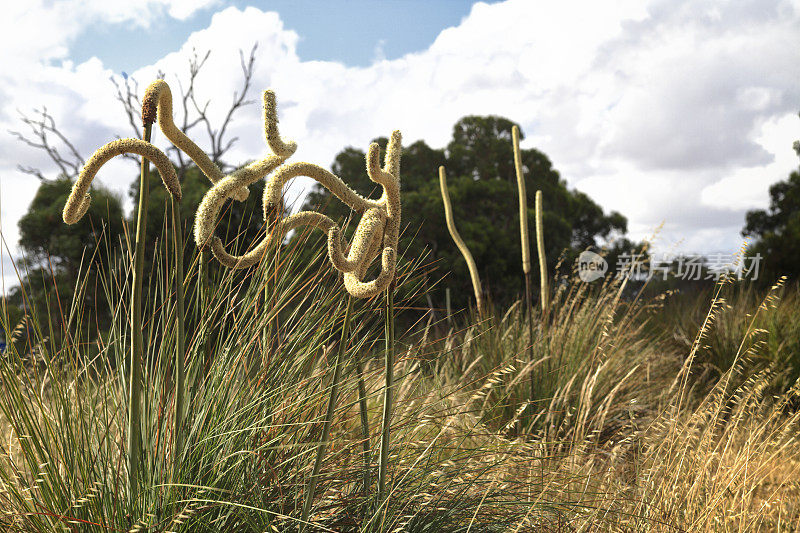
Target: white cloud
[
  {"x": 745, "y": 187},
  {"x": 681, "y": 112},
  {"x": 35, "y": 72},
  {"x": 183, "y": 9}
]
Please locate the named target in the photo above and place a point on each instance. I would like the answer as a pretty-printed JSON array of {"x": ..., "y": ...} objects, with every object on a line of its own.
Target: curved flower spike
[
  {"x": 79, "y": 198},
  {"x": 304, "y": 218},
  {"x": 238, "y": 180},
  {"x": 360, "y": 289},
  {"x": 280, "y": 148},
  {"x": 462, "y": 246},
  {"x": 389, "y": 178},
  {"x": 158, "y": 101},
  {"x": 212, "y": 202},
  {"x": 381, "y": 220},
  {"x": 274, "y": 189},
  {"x": 371, "y": 225}
]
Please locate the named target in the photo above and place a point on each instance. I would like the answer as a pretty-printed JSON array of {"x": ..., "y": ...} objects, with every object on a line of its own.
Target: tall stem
[
  {"x": 326, "y": 427},
  {"x": 362, "y": 402},
  {"x": 180, "y": 371},
  {"x": 525, "y": 243},
  {"x": 544, "y": 286},
  {"x": 204, "y": 260},
  {"x": 137, "y": 344},
  {"x": 387, "y": 393},
  {"x": 530, "y": 342},
  {"x": 205, "y": 303}
]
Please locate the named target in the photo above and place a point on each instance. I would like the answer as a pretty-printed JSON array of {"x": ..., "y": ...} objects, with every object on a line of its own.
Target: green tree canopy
[
  {"x": 58, "y": 254},
  {"x": 776, "y": 230},
  {"x": 240, "y": 225},
  {"x": 46, "y": 239}
]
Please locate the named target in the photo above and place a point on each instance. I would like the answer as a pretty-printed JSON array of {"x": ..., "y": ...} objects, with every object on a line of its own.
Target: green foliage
[
  {"x": 482, "y": 183},
  {"x": 59, "y": 255},
  {"x": 776, "y": 231},
  {"x": 751, "y": 331},
  {"x": 48, "y": 241},
  {"x": 586, "y": 361},
  {"x": 460, "y": 460},
  {"x": 254, "y": 410},
  {"x": 610, "y": 444}
]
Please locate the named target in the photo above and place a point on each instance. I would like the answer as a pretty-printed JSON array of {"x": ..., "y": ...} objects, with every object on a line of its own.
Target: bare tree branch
[
  {"x": 247, "y": 72},
  {"x": 42, "y": 129},
  {"x": 45, "y": 134},
  {"x": 32, "y": 171},
  {"x": 218, "y": 150},
  {"x": 130, "y": 101}
]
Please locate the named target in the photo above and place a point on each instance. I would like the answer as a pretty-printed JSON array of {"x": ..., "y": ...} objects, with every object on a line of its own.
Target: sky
[{"x": 678, "y": 114}]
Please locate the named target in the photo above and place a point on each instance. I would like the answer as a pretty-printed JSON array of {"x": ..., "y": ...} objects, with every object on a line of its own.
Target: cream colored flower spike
[
  {"x": 304, "y": 218},
  {"x": 389, "y": 178},
  {"x": 372, "y": 224},
  {"x": 158, "y": 101},
  {"x": 210, "y": 206},
  {"x": 79, "y": 198},
  {"x": 462, "y": 246},
  {"x": 277, "y": 145},
  {"x": 274, "y": 189},
  {"x": 380, "y": 221}
]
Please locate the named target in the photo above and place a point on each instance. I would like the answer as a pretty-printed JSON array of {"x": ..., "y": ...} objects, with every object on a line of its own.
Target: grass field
[{"x": 628, "y": 413}]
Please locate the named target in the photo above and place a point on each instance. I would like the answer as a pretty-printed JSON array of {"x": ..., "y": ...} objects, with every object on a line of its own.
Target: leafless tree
[
  {"x": 44, "y": 134},
  {"x": 43, "y": 128}
]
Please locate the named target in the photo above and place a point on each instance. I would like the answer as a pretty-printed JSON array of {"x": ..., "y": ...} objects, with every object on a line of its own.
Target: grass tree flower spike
[
  {"x": 545, "y": 294},
  {"x": 462, "y": 246},
  {"x": 79, "y": 198},
  {"x": 227, "y": 186},
  {"x": 389, "y": 178},
  {"x": 523, "y": 203},
  {"x": 379, "y": 224},
  {"x": 76, "y": 206},
  {"x": 380, "y": 221},
  {"x": 157, "y": 103},
  {"x": 525, "y": 238}
]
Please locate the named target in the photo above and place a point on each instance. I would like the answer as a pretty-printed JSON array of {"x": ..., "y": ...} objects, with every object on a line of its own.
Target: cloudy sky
[{"x": 673, "y": 112}]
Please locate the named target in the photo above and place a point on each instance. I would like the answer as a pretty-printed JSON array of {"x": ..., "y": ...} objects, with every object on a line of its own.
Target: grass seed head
[
  {"x": 157, "y": 103},
  {"x": 79, "y": 198},
  {"x": 462, "y": 246}
]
